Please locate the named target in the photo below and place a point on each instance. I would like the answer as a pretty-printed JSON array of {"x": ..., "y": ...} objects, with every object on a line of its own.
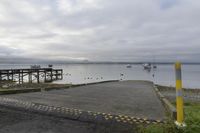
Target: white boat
[
  {"x": 154, "y": 66},
  {"x": 50, "y": 65},
  {"x": 35, "y": 66},
  {"x": 128, "y": 66},
  {"x": 147, "y": 66}
]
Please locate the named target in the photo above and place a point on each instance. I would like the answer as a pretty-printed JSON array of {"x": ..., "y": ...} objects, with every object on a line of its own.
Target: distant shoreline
[{"x": 106, "y": 63}]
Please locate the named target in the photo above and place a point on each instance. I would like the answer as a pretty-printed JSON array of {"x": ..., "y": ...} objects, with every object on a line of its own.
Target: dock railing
[{"x": 19, "y": 75}]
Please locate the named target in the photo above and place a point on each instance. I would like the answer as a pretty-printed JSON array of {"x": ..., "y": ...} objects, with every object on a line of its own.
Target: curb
[
  {"x": 75, "y": 114},
  {"x": 76, "y": 85},
  {"x": 6, "y": 92},
  {"x": 168, "y": 88},
  {"x": 170, "y": 108}
]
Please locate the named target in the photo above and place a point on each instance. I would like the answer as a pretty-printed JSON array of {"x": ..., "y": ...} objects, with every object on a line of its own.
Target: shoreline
[
  {"x": 171, "y": 88},
  {"x": 11, "y": 85},
  {"x": 189, "y": 95}
]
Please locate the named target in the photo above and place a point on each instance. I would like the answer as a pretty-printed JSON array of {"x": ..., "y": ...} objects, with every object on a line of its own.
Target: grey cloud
[
  {"x": 9, "y": 51},
  {"x": 114, "y": 30}
]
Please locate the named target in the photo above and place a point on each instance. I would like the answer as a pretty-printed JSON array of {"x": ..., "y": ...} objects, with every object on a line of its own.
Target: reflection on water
[{"x": 87, "y": 73}]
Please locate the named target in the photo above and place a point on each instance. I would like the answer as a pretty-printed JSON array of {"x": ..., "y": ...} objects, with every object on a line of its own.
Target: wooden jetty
[{"x": 32, "y": 75}]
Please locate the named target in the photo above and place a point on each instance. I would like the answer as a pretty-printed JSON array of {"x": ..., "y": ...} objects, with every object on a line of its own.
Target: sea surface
[{"x": 87, "y": 73}]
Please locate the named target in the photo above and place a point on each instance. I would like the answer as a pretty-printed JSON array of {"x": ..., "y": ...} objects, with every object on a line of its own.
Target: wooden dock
[{"x": 32, "y": 75}]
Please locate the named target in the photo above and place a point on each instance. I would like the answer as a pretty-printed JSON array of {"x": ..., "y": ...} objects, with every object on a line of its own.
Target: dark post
[
  {"x": 51, "y": 75},
  {"x": 8, "y": 75},
  {"x": 22, "y": 76},
  {"x": 12, "y": 74},
  {"x": 29, "y": 76},
  {"x": 61, "y": 74},
  {"x": 19, "y": 77},
  {"x": 45, "y": 76},
  {"x": 0, "y": 76},
  {"x": 38, "y": 76},
  {"x": 56, "y": 74}
]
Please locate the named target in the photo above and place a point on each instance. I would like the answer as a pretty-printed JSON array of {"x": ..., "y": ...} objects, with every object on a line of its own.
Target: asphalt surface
[
  {"x": 133, "y": 98},
  {"x": 13, "y": 121}
]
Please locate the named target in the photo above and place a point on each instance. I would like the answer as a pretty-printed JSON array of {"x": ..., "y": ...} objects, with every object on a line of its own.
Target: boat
[
  {"x": 50, "y": 65},
  {"x": 154, "y": 66},
  {"x": 128, "y": 66},
  {"x": 147, "y": 66},
  {"x": 35, "y": 66}
]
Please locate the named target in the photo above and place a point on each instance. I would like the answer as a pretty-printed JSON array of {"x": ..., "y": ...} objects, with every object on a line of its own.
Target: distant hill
[{"x": 42, "y": 61}]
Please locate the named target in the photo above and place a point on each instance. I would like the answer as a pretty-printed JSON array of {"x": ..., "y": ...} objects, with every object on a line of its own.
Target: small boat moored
[
  {"x": 128, "y": 66},
  {"x": 50, "y": 65},
  {"x": 35, "y": 66},
  {"x": 147, "y": 66}
]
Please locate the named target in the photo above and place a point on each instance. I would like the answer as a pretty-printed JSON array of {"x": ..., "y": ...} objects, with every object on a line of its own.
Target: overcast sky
[{"x": 100, "y": 30}]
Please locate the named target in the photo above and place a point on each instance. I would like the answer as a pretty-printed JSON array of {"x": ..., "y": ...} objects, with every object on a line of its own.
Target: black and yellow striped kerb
[
  {"x": 179, "y": 95},
  {"x": 76, "y": 114}
]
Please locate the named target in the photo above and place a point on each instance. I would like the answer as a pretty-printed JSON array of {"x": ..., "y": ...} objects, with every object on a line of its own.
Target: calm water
[{"x": 86, "y": 73}]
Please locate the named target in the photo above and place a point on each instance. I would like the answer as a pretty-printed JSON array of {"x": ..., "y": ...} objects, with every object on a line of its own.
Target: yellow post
[{"x": 179, "y": 97}]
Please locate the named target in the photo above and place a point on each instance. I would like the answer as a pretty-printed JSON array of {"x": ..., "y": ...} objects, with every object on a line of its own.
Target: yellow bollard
[{"x": 179, "y": 97}]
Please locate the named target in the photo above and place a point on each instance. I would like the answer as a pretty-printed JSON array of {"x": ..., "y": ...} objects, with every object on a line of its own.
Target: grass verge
[
  {"x": 192, "y": 120},
  {"x": 32, "y": 87}
]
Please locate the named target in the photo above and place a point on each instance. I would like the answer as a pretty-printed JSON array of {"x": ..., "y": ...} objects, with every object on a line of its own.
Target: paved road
[
  {"x": 134, "y": 98},
  {"x": 13, "y": 121}
]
